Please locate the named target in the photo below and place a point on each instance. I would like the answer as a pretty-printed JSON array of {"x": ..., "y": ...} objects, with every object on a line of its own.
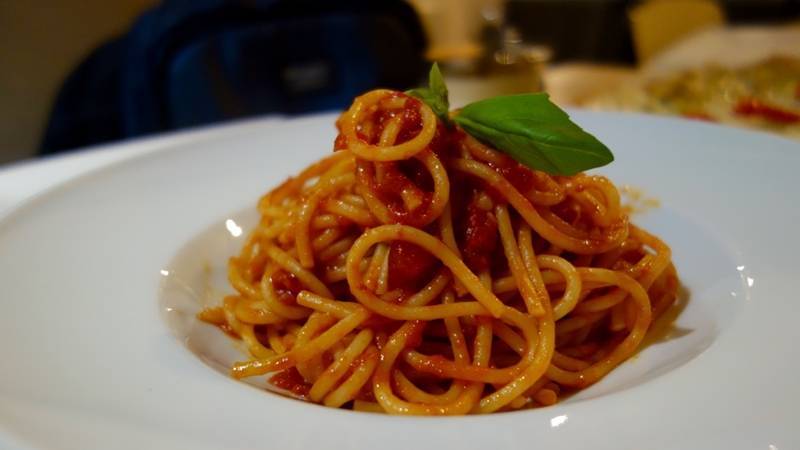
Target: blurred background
[{"x": 76, "y": 74}]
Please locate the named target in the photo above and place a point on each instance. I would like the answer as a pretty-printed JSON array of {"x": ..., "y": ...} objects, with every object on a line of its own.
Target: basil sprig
[
  {"x": 435, "y": 95},
  {"x": 528, "y": 127},
  {"x": 534, "y": 131}
]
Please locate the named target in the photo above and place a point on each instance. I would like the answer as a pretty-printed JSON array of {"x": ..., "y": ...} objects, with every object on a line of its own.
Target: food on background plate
[{"x": 765, "y": 95}]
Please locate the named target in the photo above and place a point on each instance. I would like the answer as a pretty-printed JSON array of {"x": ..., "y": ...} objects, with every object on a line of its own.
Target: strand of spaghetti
[
  {"x": 335, "y": 273},
  {"x": 410, "y": 392},
  {"x": 552, "y": 195},
  {"x": 626, "y": 348},
  {"x": 255, "y": 312},
  {"x": 438, "y": 365},
  {"x": 602, "y": 302},
  {"x": 213, "y": 315},
  {"x": 611, "y": 238},
  {"x": 571, "y": 323},
  {"x": 326, "y": 238},
  {"x": 569, "y": 229},
  {"x": 316, "y": 323},
  {"x": 545, "y": 397},
  {"x": 340, "y": 310},
  {"x": 661, "y": 260},
  {"x": 275, "y": 340},
  {"x": 229, "y": 304},
  {"x": 254, "y": 346},
  {"x": 382, "y": 384},
  {"x": 412, "y": 196},
  {"x": 482, "y": 353},
  {"x": 336, "y": 370},
  {"x": 544, "y": 345},
  {"x": 617, "y": 322},
  {"x": 354, "y": 200},
  {"x": 648, "y": 269},
  {"x": 431, "y": 290},
  {"x": 355, "y": 214},
  {"x": 293, "y": 185},
  {"x": 482, "y": 152},
  {"x": 393, "y": 296},
  {"x": 540, "y": 384},
  {"x": 237, "y": 280},
  {"x": 421, "y": 216},
  {"x": 605, "y": 212},
  {"x": 301, "y": 353},
  {"x": 525, "y": 241},
  {"x": 383, "y": 233},
  {"x": 383, "y": 277},
  {"x": 374, "y": 204},
  {"x": 669, "y": 294},
  {"x": 455, "y": 334},
  {"x": 362, "y": 106},
  {"x": 350, "y": 388},
  {"x": 504, "y": 285},
  {"x": 379, "y": 255},
  {"x": 270, "y": 298},
  {"x": 574, "y": 283},
  {"x": 289, "y": 264},
  {"x": 609, "y": 258},
  {"x": 441, "y": 184},
  {"x": 336, "y": 249},
  {"x": 534, "y": 371},
  {"x": 390, "y": 130},
  {"x": 323, "y": 221},
  {"x": 458, "y": 344},
  {"x": 368, "y": 407},
  {"x": 530, "y": 294},
  {"x": 449, "y": 238},
  {"x": 569, "y": 363},
  {"x": 326, "y": 186},
  {"x": 509, "y": 337}
]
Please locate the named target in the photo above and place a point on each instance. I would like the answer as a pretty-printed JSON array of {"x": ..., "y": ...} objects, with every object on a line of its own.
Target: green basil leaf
[
  {"x": 534, "y": 131},
  {"x": 435, "y": 95}
]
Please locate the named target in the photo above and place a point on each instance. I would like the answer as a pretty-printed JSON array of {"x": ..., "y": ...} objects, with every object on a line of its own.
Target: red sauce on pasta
[
  {"x": 480, "y": 238},
  {"x": 291, "y": 380},
  {"x": 754, "y": 107},
  {"x": 409, "y": 265}
]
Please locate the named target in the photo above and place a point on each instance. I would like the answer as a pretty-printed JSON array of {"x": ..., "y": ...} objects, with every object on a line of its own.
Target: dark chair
[{"x": 186, "y": 63}]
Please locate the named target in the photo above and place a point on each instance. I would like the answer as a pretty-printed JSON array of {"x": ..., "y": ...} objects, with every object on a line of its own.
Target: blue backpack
[{"x": 189, "y": 63}]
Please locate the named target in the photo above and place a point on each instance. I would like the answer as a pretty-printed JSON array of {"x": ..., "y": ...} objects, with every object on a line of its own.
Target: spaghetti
[{"x": 418, "y": 271}]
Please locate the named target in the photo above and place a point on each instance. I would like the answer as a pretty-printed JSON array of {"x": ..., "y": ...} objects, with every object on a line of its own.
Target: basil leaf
[
  {"x": 435, "y": 95},
  {"x": 534, "y": 131}
]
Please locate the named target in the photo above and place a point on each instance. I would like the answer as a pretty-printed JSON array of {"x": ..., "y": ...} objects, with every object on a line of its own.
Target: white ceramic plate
[{"x": 99, "y": 276}]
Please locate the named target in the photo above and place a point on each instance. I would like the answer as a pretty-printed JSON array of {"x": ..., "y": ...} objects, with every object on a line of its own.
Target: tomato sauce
[
  {"x": 340, "y": 143},
  {"x": 411, "y": 121},
  {"x": 518, "y": 175},
  {"x": 291, "y": 380},
  {"x": 287, "y": 286},
  {"x": 479, "y": 238},
  {"x": 410, "y": 265},
  {"x": 755, "y": 107}
]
